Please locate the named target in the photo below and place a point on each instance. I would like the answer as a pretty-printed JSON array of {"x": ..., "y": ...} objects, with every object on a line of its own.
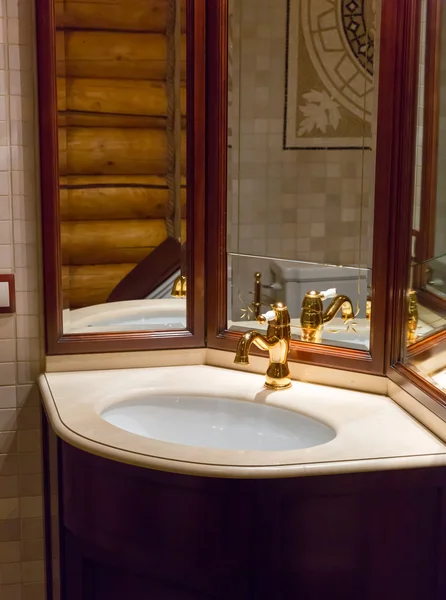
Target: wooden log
[
  {"x": 114, "y": 54},
  {"x": 135, "y": 15},
  {"x": 81, "y": 119},
  {"x": 118, "y": 197},
  {"x": 89, "y": 285},
  {"x": 101, "y": 151},
  {"x": 110, "y": 242},
  {"x": 115, "y": 96},
  {"x": 101, "y": 242}
]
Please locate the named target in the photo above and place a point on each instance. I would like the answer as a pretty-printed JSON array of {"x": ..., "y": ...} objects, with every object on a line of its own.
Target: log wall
[{"x": 113, "y": 149}]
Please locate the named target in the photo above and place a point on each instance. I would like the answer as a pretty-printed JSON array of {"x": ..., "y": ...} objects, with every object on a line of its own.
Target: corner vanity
[
  {"x": 197, "y": 482},
  {"x": 244, "y": 390}
]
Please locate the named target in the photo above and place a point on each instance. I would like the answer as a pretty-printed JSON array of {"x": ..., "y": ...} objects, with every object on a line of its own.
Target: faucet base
[
  {"x": 277, "y": 386},
  {"x": 278, "y": 376}
]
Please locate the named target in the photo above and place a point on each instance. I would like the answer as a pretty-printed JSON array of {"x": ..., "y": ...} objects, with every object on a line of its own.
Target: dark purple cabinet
[{"x": 129, "y": 532}]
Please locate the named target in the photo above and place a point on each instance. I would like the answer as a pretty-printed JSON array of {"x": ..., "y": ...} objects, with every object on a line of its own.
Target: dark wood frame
[
  {"x": 395, "y": 160},
  {"x": 398, "y": 369},
  {"x": 426, "y": 235},
  {"x": 425, "y": 238},
  {"x": 193, "y": 336}
]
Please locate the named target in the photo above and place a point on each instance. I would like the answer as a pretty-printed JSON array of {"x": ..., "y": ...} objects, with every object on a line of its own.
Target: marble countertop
[{"x": 373, "y": 432}]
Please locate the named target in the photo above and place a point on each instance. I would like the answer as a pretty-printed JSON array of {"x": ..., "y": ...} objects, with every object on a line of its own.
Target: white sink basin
[
  {"x": 131, "y": 315},
  {"x": 219, "y": 423}
]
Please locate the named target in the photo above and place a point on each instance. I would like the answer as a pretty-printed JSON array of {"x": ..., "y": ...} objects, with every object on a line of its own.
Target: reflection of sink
[
  {"x": 130, "y": 315},
  {"x": 219, "y": 423}
]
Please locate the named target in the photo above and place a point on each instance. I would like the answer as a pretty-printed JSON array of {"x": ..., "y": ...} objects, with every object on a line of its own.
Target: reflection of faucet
[
  {"x": 312, "y": 317},
  {"x": 412, "y": 317},
  {"x": 179, "y": 287},
  {"x": 257, "y": 302},
  {"x": 276, "y": 341}
]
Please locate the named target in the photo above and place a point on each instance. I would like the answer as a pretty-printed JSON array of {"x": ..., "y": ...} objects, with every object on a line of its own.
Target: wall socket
[{"x": 7, "y": 293}]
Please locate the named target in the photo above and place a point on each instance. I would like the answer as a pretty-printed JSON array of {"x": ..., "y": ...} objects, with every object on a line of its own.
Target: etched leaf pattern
[{"x": 320, "y": 112}]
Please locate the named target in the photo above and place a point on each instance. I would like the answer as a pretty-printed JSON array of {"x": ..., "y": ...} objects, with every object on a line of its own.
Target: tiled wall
[
  {"x": 21, "y": 527},
  {"x": 313, "y": 205}
]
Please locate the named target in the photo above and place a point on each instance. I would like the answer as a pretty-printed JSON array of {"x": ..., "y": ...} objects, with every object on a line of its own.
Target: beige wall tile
[
  {"x": 33, "y": 550},
  {"x": 8, "y": 442},
  {"x": 9, "y": 485},
  {"x": 33, "y": 571},
  {"x": 11, "y": 592},
  {"x": 8, "y": 395},
  {"x": 9, "y": 508},
  {"x": 10, "y": 531},
  {"x": 8, "y": 418},
  {"x": 10, "y": 552},
  {"x": 31, "y": 507},
  {"x": 10, "y": 573},
  {"x": 29, "y": 440},
  {"x": 21, "y": 524},
  {"x": 32, "y": 528},
  {"x": 33, "y": 591},
  {"x": 30, "y": 484},
  {"x": 8, "y": 464}
]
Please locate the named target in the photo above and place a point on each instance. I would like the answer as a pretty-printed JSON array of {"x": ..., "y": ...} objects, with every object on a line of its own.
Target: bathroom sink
[
  {"x": 131, "y": 315},
  {"x": 218, "y": 423}
]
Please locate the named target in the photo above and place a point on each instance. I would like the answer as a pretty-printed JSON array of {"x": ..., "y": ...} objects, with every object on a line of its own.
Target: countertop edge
[{"x": 223, "y": 471}]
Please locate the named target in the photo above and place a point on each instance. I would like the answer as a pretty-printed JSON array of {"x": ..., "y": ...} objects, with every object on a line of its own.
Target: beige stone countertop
[{"x": 372, "y": 432}]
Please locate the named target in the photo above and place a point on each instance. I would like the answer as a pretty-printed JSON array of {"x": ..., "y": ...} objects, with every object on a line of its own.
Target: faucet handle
[
  {"x": 330, "y": 293},
  {"x": 273, "y": 315},
  {"x": 270, "y": 315}
]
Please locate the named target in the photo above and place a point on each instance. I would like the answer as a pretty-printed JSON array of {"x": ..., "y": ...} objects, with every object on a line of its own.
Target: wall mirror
[
  {"x": 428, "y": 272},
  {"x": 119, "y": 89},
  {"x": 426, "y": 303},
  {"x": 301, "y": 147}
]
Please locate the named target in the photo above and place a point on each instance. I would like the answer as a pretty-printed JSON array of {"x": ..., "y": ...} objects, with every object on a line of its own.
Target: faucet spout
[
  {"x": 335, "y": 305},
  {"x": 276, "y": 342},
  {"x": 244, "y": 346}
]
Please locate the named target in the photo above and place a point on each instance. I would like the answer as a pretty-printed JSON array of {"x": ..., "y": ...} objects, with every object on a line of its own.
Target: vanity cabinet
[{"x": 126, "y": 531}]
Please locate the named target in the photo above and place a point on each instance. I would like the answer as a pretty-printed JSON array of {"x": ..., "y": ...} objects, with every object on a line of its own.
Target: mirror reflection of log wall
[{"x": 113, "y": 105}]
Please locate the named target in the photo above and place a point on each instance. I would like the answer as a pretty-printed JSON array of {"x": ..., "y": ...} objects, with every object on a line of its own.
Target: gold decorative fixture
[
  {"x": 412, "y": 317},
  {"x": 368, "y": 308},
  {"x": 257, "y": 302},
  {"x": 276, "y": 342},
  {"x": 313, "y": 317},
  {"x": 179, "y": 287}
]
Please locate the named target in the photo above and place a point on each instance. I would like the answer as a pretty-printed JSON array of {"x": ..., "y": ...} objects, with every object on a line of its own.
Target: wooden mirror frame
[
  {"x": 193, "y": 335},
  {"x": 425, "y": 237},
  {"x": 398, "y": 370},
  {"x": 397, "y": 84}
]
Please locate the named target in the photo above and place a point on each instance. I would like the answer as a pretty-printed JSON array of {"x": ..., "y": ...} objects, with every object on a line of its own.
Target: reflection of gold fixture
[
  {"x": 276, "y": 341},
  {"x": 312, "y": 317},
  {"x": 179, "y": 287},
  {"x": 257, "y": 304},
  {"x": 412, "y": 317},
  {"x": 368, "y": 308}
]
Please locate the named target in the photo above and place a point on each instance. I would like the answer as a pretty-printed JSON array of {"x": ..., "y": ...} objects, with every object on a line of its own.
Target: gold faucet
[
  {"x": 276, "y": 341},
  {"x": 179, "y": 287},
  {"x": 412, "y": 317},
  {"x": 313, "y": 317}
]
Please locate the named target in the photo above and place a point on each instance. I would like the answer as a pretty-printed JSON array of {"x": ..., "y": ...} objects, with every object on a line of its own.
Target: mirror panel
[
  {"x": 121, "y": 102},
  {"x": 427, "y": 295},
  {"x": 301, "y": 164},
  {"x": 425, "y": 321}
]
